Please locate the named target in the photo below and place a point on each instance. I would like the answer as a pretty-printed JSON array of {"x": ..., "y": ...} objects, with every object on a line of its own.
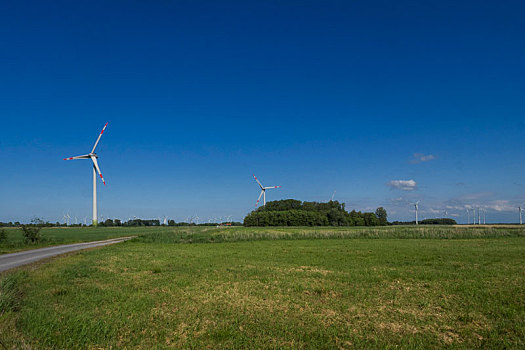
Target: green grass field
[
  {"x": 65, "y": 235},
  {"x": 276, "y": 288}
]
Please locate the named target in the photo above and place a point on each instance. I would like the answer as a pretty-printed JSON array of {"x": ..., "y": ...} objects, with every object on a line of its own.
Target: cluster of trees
[
  {"x": 441, "y": 221},
  {"x": 155, "y": 222},
  {"x": 41, "y": 224},
  {"x": 291, "y": 212}
]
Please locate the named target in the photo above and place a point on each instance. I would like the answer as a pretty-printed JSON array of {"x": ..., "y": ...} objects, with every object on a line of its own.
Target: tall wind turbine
[
  {"x": 93, "y": 156},
  {"x": 416, "y": 208},
  {"x": 263, "y": 191},
  {"x": 520, "y": 209}
]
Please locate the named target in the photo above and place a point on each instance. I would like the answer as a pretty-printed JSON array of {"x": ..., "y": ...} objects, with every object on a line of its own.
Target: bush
[
  {"x": 31, "y": 232},
  {"x": 3, "y": 236}
]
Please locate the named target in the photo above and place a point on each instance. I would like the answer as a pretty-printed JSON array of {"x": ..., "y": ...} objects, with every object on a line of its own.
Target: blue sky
[{"x": 385, "y": 102}]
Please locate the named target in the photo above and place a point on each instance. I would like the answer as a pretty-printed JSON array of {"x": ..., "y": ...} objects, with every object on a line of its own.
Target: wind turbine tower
[
  {"x": 416, "y": 208},
  {"x": 93, "y": 156},
  {"x": 520, "y": 210},
  {"x": 479, "y": 216},
  {"x": 263, "y": 191}
]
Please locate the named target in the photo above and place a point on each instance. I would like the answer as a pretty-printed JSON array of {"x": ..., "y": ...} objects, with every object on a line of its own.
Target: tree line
[
  {"x": 118, "y": 222},
  {"x": 436, "y": 221},
  {"x": 292, "y": 212}
]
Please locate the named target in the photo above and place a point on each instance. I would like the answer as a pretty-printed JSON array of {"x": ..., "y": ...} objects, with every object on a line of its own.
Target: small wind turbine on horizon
[
  {"x": 416, "y": 209},
  {"x": 93, "y": 156},
  {"x": 480, "y": 215},
  {"x": 520, "y": 209},
  {"x": 263, "y": 191},
  {"x": 66, "y": 218}
]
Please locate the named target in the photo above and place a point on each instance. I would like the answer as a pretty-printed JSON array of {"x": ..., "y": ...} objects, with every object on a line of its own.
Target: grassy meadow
[
  {"x": 63, "y": 235},
  {"x": 427, "y": 287}
]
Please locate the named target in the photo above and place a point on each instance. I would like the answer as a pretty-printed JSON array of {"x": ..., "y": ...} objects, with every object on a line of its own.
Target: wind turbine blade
[
  {"x": 272, "y": 187},
  {"x": 99, "y": 136},
  {"x": 258, "y": 199},
  {"x": 85, "y": 156},
  {"x": 255, "y": 177},
  {"x": 94, "y": 159}
]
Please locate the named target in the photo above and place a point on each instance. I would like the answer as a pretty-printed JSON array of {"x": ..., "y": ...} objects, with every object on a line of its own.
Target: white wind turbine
[
  {"x": 93, "y": 156},
  {"x": 263, "y": 191},
  {"x": 416, "y": 208},
  {"x": 520, "y": 209}
]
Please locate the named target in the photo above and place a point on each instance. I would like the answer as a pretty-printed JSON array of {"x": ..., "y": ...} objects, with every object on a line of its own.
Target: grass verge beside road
[{"x": 65, "y": 235}]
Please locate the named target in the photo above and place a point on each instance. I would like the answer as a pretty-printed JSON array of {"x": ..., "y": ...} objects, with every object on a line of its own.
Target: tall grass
[
  {"x": 239, "y": 234},
  {"x": 10, "y": 292}
]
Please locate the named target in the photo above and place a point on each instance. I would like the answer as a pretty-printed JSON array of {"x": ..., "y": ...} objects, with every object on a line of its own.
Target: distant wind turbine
[
  {"x": 333, "y": 195},
  {"x": 416, "y": 209},
  {"x": 66, "y": 221},
  {"x": 479, "y": 216},
  {"x": 263, "y": 191},
  {"x": 93, "y": 156},
  {"x": 520, "y": 210}
]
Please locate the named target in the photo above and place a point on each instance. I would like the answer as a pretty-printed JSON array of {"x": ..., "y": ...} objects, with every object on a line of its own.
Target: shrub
[
  {"x": 3, "y": 236},
  {"x": 31, "y": 232}
]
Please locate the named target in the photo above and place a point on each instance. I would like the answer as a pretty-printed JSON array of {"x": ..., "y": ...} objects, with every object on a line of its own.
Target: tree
[
  {"x": 31, "y": 232},
  {"x": 382, "y": 215}
]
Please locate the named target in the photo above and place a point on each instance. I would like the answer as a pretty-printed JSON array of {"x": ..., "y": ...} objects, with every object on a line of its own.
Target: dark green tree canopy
[{"x": 292, "y": 212}]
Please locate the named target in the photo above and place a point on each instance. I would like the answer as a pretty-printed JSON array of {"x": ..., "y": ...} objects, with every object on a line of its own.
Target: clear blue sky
[{"x": 360, "y": 97}]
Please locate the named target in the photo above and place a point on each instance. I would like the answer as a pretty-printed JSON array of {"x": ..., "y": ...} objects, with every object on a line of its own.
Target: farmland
[
  {"x": 187, "y": 287},
  {"x": 63, "y": 235}
]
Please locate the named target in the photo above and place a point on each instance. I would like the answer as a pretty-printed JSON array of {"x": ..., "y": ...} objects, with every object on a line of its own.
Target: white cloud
[
  {"x": 404, "y": 185},
  {"x": 498, "y": 205},
  {"x": 421, "y": 157}
]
